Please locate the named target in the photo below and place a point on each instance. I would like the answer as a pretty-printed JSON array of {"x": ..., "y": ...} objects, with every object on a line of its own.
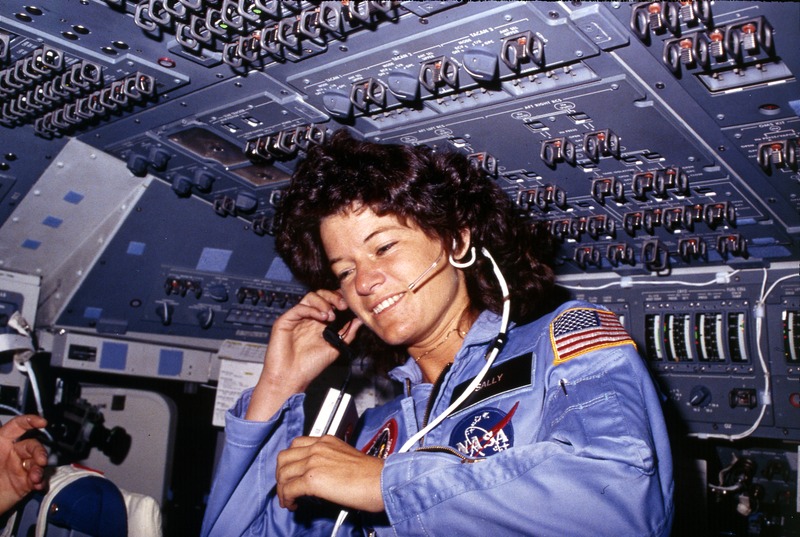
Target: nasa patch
[
  {"x": 383, "y": 443},
  {"x": 485, "y": 432}
]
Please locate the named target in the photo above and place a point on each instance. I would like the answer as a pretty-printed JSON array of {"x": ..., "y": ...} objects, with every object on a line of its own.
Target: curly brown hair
[{"x": 441, "y": 192}]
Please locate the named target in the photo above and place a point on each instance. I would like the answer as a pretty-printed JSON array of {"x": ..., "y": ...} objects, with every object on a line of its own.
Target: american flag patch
[{"x": 581, "y": 330}]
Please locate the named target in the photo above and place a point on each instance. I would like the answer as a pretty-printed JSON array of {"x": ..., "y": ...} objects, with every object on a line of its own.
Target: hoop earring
[{"x": 463, "y": 265}]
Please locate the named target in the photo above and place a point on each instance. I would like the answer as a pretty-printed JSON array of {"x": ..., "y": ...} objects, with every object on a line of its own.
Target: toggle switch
[
  {"x": 287, "y": 33},
  {"x": 176, "y": 9},
  {"x": 86, "y": 75},
  {"x": 692, "y": 248},
  {"x": 560, "y": 228},
  {"x": 778, "y": 153},
  {"x": 439, "y": 73},
  {"x": 620, "y": 254},
  {"x": 577, "y": 227},
  {"x": 230, "y": 15},
  {"x": 307, "y": 135},
  {"x": 230, "y": 54},
  {"x": 642, "y": 183},
  {"x": 165, "y": 312},
  {"x": 608, "y": 186},
  {"x": 601, "y": 144},
  {"x": 484, "y": 162},
  {"x": 632, "y": 222},
  {"x": 309, "y": 23},
  {"x": 224, "y": 206},
  {"x": 693, "y": 214},
  {"x": 587, "y": 255},
  {"x": 716, "y": 214},
  {"x": 522, "y": 48},
  {"x": 205, "y": 318},
  {"x": 268, "y": 41},
  {"x": 672, "y": 219},
  {"x": 733, "y": 245},
  {"x": 558, "y": 150},
  {"x": 655, "y": 256},
  {"x": 270, "y": 8},
  {"x": 368, "y": 93},
  {"x": 600, "y": 225},
  {"x": 749, "y": 37},
  {"x": 546, "y": 196},
  {"x": 249, "y": 10},
  {"x": 47, "y": 60},
  {"x": 248, "y": 47},
  {"x": 651, "y": 219},
  {"x": 257, "y": 149},
  {"x": 716, "y": 45},
  {"x": 263, "y": 225}
]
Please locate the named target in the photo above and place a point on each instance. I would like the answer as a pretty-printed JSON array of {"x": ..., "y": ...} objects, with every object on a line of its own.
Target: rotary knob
[{"x": 700, "y": 396}]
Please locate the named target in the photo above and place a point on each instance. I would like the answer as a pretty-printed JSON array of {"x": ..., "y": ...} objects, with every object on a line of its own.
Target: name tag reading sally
[{"x": 505, "y": 377}]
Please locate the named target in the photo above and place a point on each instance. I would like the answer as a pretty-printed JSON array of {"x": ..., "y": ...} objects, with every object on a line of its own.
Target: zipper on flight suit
[
  {"x": 437, "y": 386},
  {"x": 432, "y": 398},
  {"x": 451, "y": 451}
]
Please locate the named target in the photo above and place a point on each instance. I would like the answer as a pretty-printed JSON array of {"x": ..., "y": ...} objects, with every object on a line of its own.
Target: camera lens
[{"x": 115, "y": 443}]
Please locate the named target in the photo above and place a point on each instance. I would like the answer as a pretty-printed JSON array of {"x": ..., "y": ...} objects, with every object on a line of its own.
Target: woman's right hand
[{"x": 297, "y": 353}]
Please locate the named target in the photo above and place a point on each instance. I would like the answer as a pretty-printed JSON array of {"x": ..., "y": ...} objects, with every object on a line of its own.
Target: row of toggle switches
[
  {"x": 248, "y": 30},
  {"x": 121, "y": 94},
  {"x": 719, "y": 46},
  {"x": 654, "y": 255},
  {"x": 441, "y": 75},
  {"x": 253, "y": 296}
]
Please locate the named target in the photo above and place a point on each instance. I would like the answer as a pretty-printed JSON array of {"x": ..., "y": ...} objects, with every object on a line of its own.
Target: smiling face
[{"x": 375, "y": 258}]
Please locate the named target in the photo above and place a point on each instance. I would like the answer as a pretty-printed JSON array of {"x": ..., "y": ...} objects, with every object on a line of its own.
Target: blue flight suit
[{"x": 564, "y": 436}]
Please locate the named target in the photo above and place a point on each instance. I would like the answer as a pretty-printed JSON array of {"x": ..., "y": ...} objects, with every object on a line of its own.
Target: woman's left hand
[
  {"x": 330, "y": 469},
  {"x": 22, "y": 462}
]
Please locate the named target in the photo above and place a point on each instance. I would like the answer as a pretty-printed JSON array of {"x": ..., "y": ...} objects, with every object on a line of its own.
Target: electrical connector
[
  {"x": 18, "y": 323},
  {"x": 722, "y": 277},
  {"x": 20, "y": 344}
]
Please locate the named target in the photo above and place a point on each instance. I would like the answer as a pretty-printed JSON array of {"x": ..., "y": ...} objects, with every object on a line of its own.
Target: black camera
[{"x": 77, "y": 426}]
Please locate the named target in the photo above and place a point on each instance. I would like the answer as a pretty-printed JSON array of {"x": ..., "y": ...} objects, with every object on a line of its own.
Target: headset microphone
[{"x": 427, "y": 271}]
